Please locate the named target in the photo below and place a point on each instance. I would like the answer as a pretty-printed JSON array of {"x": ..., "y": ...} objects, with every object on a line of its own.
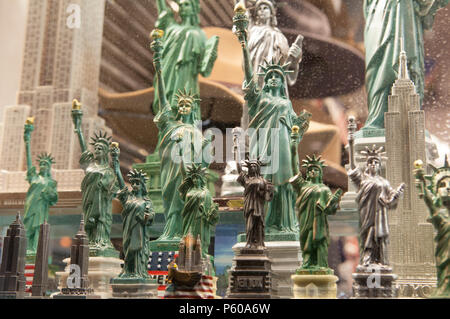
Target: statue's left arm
[
  {"x": 427, "y": 10},
  {"x": 333, "y": 203},
  {"x": 210, "y": 56},
  {"x": 295, "y": 57},
  {"x": 394, "y": 196}
]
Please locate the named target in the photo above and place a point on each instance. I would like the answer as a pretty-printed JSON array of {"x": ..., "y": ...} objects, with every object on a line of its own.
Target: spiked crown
[
  {"x": 187, "y": 96},
  {"x": 275, "y": 66},
  {"x": 44, "y": 157},
  {"x": 439, "y": 174},
  {"x": 314, "y": 161},
  {"x": 196, "y": 170},
  {"x": 374, "y": 152},
  {"x": 101, "y": 138},
  {"x": 138, "y": 176}
]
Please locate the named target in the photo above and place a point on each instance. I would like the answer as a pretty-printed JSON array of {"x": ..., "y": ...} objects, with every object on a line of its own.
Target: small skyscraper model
[
  {"x": 40, "y": 279},
  {"x": 12, "y": 269},
  {"x": 411, "y": 248},
  {"x": 187, "y": 279},
  {"x": 78, "y": 281}
]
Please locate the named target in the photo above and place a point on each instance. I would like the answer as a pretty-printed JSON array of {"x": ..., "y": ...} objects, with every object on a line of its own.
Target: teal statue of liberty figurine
[
  {"x": 186, "y": 52},
  {"x": 435, "y": 191},
  {"x": 137, "y": 215},
  {"x": 174, "y": 122},
  {"x": 98, "y": 188},
  {"x": 315, "y": 202},
  {"x": 200, "y": 214},
  {"x": 386, "y": 22},
  {"x": 42, "y": 192},
  {"x": 271, "y": 119}
]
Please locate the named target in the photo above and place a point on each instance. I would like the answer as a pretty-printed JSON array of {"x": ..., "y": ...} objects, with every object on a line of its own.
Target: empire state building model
[{"x": 411, "y": 254}]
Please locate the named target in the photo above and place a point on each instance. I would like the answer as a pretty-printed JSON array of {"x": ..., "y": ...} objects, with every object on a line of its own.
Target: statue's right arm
[
  {"x": 157, "y": 48},
  {"x": 77, "y": 116},
  {"x": 248, "y": 68},
  {"x": 27, "y": 139},
  {"x": 424, "y": 191},
  {"x": 294, "y": 153},
  {"x": 120, "y": 180}
]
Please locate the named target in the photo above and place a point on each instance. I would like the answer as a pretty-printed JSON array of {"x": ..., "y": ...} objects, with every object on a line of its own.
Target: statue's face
[
  {"x": 44, "y": 166},
  {"x": 253, "y": 170},
  {"x": 197, "y": 181},
  {"x": 136, "y": 185},
  {"x": 186, "y": 8},
  {"x": 184, "y": 107},
  {"x": 313, "y": 172},
  {"x": 100, "y": 150},
  {"x": 263, "y": 12},
  {"x": 373, "y": 165},
  {"x": 275, "y": 80},
  {"x": 444, "y": 190}
]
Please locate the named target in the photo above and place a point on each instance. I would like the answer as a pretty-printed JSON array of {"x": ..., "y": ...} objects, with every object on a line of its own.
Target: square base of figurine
[
  {"x": 136, "y": 288},
  {"x": 103, "y": 252},
  {"x": 273, "y": 236},
  {"x": 374, "y": 281},
  {"x": 250, "y": 276},
  {"x": 62, "y": 296},
  {"x": 315, "y": 284}
]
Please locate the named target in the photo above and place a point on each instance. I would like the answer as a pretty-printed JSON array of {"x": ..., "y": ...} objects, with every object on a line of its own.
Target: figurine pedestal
[
  {"x": 100, "y": 272},
  {"x": 374, "y": 281},
  {"x": 124, "y": 288},
  {"x": 315, "y": 285},
  {"x": 250, "y": 276},
  {"x": 285, "y": 258}
]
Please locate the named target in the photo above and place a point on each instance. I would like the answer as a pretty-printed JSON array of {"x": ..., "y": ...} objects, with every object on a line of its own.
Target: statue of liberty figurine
[
  {"x": 174, "y": 122},
  {"x": 271, "y": 119},
  {"x": 98, "y": 188},
  {"x": 186, "y": 52},
  {"x": 42, "y": 192},
  {"x": 200, "y": 213},
  {"x": 138, "y": 215},
  {"x": 435, "y": 191}
]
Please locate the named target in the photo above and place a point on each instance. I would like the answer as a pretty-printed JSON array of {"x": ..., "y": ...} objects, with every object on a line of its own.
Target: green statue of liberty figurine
[
  {"x": 174, "y": 122},
  {"x": 98, "y": 188},
  {"x": 271, "y": 120},
  {"x": 386, "y": 22},
  {"x": 315, "y": 202},
  {"x": 200, "y": 213},
  {"x": 186, "y": 52},
  {"x": 435, "y": 191},
  {"x": 42, "y": 192},
  {"x": 138, "y": 215}
]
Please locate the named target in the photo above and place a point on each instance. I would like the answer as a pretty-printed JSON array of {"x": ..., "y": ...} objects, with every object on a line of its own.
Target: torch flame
[
  {"x": 30, "y": 121},
  {"x": 418, "y": 164},
  {"x": 76, "y": 105},
  {"x": 157, "y": 34}
]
